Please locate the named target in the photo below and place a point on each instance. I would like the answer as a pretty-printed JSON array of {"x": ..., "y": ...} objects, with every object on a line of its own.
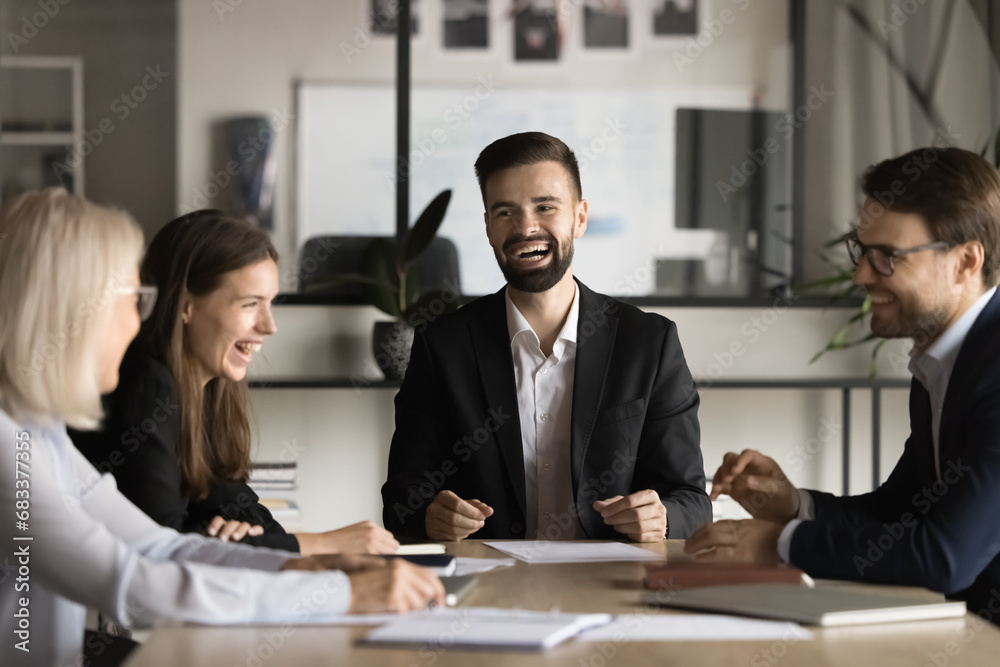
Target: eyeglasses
[
  {"x": 147, "y": 298},
  {"x": 880, "y": 257}
]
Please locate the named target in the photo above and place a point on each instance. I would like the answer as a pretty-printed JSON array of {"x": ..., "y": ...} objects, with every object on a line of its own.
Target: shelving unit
[
  {"x": 41, "y": 123},
  {"x": 845, "y": 385}
]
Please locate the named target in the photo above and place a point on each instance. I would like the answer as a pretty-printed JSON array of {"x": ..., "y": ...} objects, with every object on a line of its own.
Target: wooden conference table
[{"x": 584, "y": 587}]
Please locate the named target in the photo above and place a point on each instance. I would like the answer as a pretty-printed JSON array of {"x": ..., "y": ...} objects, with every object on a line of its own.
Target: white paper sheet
[
  {"x": 477, "y": 565},
  {"x": 486, "y": 627},
  {"x": 544, "y": 551},
  {"x": 693, "y": 627}
]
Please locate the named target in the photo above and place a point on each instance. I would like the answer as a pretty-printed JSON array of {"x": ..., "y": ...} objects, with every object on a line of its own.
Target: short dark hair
[
  {"x": 955, "y": 191},
  {"x": 519, "y": 150}
]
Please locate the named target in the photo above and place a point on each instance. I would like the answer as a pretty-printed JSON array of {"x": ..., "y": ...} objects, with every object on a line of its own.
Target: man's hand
[
  {"x": 449, "y": 518},
  {"x": 758, "y": 484},
  {"x": 377, "y": 584},
  {"x": 747, "y": 541},
  {"x": 639, "y": 515},
  {"x": 231, "y": 530},
  {"x": 363, "y": 537}
]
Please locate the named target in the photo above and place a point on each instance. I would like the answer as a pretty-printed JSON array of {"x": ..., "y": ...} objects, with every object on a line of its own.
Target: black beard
[{"x": 538, "y": 280}]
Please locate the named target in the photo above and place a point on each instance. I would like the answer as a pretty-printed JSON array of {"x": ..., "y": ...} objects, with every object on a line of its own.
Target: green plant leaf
[
  {"x": 823, "y": 283},
  {"x": 426, "y": 226},
  {"x": 379, "y": 266},
  {"x": 873, "y": 366}
]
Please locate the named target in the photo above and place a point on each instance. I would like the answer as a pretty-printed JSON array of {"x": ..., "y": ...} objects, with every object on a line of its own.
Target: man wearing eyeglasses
[{"x": 927, "y": 251}]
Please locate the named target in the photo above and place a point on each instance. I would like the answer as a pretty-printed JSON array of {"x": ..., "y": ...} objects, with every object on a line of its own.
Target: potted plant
[{"x": 391, "y": 284}]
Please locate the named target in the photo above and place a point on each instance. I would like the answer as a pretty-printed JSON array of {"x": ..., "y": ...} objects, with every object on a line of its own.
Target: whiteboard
[{"x": 623, "y": 139}]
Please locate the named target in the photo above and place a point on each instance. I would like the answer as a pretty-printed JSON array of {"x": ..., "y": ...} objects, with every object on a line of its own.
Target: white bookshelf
[{"x": 41, "y": 122}]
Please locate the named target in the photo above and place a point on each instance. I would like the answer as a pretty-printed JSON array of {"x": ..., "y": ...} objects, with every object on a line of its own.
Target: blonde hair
[{"x": 62, "y": 260}]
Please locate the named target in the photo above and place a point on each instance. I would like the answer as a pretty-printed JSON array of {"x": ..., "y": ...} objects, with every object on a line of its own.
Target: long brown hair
[{"x": 190, "y": 256}]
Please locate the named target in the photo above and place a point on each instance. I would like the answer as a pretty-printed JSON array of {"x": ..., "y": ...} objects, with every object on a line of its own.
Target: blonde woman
[{"x": 70, "y": 304}]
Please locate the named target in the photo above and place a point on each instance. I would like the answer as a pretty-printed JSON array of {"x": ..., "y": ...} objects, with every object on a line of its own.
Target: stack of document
[{"x": 486, "y": 627}]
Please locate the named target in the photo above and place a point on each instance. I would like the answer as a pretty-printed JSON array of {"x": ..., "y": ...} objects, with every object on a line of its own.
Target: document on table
[
  {"x": 478, "y": 565},
  {"x": 486, "y": 627},
  {"x": 544, "y": 551},
  {"x": 693, "y": 627}
]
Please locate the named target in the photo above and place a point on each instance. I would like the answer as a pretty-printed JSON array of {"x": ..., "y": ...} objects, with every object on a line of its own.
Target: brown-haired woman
[{"x": 177, "y": 437}]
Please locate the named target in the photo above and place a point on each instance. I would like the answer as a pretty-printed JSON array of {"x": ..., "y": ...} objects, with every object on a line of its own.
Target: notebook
[
  {"x": 485, "y": 627},
  {"x": 689, "y": 574},
  {"x": 824, "y": 606}
]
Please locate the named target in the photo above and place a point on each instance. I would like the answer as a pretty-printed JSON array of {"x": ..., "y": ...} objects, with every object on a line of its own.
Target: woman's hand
[
  {"x": 232, "y": 530},
  {"x": 359, "y": 538}
]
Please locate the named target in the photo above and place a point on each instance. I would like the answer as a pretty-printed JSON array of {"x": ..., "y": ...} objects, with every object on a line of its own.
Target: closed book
[{"x": 689, "y": 574}]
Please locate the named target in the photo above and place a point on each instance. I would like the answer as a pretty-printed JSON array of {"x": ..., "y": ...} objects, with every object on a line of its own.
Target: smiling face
[
  {"x": 224, "y": 328},
  {"x": 923, "y": 296},
  {"x": 532, "y": 217}
]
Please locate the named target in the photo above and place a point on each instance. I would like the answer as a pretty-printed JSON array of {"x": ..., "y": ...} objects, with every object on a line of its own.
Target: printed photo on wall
[
  {"x": 536, "y": 32},
  {"x": 605, "y": 24},
  {"x": 383, "y": 16},
  {"x": 466, "y": 24},
  {"x": 672, "y": 18}
]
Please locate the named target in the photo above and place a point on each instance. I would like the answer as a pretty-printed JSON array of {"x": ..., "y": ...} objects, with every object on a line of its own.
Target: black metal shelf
[
  {"x": 797, "y": 301},
  {"x": 360, "y": 382},
  {"x": 845, "y": 385}
]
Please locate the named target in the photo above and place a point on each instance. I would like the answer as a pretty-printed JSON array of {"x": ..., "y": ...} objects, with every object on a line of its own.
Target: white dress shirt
[
  {"x": 91, "y": 547},
  {"x": 932, "y": 369},
  {"x": 545, "y": 408}
]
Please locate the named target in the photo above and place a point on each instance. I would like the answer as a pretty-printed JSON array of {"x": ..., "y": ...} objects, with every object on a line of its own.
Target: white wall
[{"x": 247, "y": 61}]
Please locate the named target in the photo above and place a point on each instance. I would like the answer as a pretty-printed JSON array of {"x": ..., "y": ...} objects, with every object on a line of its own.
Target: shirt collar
[
  {"x": 942, "y": 353},
  {"x": 516, "y": 324}
]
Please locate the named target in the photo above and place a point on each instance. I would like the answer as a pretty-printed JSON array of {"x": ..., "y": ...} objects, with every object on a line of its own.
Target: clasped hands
[
  {"x": 641, "y": 516},
  {"x": 758, "y": 484}
]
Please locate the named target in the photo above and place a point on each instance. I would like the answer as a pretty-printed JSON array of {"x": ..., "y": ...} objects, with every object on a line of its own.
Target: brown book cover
[{"x": 688, "y": 574}]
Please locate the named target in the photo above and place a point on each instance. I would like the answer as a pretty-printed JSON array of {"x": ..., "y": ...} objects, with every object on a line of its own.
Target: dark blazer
[
  {"x": 138, "y": 445},
  {"x": 634, "y": 424},
  {"x": 915, "y": 529}
]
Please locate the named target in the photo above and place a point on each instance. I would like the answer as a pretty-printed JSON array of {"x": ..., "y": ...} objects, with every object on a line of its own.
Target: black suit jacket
[
  {"x": 138, "y": 445},
  {"x": 916, "y": 529},
  {"x": 634, "y": 423}
]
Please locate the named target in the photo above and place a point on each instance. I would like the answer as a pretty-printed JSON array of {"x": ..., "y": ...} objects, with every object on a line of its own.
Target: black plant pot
[{"x": 391, "y": 342}]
